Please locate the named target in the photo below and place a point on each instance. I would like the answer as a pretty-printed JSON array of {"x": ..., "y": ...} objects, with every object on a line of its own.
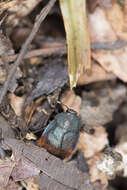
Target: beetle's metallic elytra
[{"x": 61, "y": 135}]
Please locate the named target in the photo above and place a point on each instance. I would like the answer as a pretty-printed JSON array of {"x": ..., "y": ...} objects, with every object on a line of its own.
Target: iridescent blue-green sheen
[{"x": 63, "y": 131}]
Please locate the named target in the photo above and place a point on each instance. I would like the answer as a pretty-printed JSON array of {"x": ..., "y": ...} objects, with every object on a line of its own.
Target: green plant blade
[{"x": 77, "y": 34}]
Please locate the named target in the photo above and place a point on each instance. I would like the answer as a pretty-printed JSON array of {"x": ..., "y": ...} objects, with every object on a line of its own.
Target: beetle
[{"x": 61, "y": 135}]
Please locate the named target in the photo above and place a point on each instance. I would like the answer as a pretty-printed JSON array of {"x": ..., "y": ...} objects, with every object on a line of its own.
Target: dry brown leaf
[
  {"x": 102, "y": 30},
  {"x": 95, "y": 174},
  {"x": 92, "y": 144},
  {"x": 116, "y": 17},
  {"x": 16, "y": 103},
  {"x": 6, "y": 167},
  {"x": 19, "y": 168},
  {"x": 24, "y": 169},
  {"x": 61, "y": 174},
  {"x": 110, "y": 26},
  {"x": 113, "y": 61},
  {"x": 97, "y": 74},
  {"x": 72, "y": 101}
]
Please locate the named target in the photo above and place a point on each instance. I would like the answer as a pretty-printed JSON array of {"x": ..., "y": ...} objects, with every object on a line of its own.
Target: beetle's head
[{"x": 71, "y": 111}]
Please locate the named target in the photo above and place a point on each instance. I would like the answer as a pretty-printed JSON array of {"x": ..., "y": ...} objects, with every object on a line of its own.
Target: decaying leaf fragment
[
  {"x": 110, "y": 29},
  {"x": 75, "y": 20},
  {"x": 24, "y": 169},
  {"x": 63, "y": 175},
  {"x": 6, "y": 167}
]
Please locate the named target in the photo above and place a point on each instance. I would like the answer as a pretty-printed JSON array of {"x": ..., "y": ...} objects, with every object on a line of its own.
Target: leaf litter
[{"x": 42, "y": 81}]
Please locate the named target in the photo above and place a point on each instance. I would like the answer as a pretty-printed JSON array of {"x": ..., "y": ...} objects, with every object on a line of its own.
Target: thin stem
[{"x": 25, "y": 47}]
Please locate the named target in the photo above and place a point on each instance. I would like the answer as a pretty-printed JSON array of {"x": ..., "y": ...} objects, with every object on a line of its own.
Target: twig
[
  {"x": 25, "y": 47},
  {"x": 61, "y": 49},
  {"x": 44, "y": 52},
  {"x": 108, "y": 45}
]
